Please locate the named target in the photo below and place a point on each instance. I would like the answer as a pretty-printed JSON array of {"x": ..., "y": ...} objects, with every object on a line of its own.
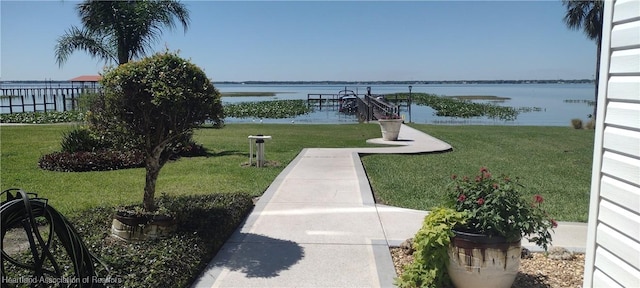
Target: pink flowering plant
[{"x": 495, "y": 207}]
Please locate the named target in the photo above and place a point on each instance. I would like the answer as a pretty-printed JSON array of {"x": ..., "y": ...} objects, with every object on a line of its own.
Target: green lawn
[
  {"x": 552, "y": 161},
  {"x": 222, "y": 172}
]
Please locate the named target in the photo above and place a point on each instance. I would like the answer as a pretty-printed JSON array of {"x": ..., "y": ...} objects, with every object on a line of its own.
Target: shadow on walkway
[{"x": 259, "y": 256}]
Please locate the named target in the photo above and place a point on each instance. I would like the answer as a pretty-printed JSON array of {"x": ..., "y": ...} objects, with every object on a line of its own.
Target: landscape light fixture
[{"x": 409, "y": 103}]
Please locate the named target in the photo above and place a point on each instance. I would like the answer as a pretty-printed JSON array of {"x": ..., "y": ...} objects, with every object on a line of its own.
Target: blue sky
[{"x": 323, "y": 40}]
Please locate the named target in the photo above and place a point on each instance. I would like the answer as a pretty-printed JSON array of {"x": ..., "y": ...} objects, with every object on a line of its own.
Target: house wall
[{"x": 613, "y": 241}]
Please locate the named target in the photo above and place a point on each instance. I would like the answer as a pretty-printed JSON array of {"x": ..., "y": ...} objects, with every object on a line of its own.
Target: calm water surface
[{"x": 549, "y": 97}]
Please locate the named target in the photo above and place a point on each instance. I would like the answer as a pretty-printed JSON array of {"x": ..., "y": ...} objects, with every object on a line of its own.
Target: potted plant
[
  {"x": 132, "y": 223},
  {"x": 485, "y": 249},
  {"x": 390, "y": 126}
]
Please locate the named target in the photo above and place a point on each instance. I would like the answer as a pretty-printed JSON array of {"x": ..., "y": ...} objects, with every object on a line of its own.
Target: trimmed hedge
[
  {"x": 91, "y": 161},
  {"x": 105, "y": 160},
  {"x": 43, "y": 117}
]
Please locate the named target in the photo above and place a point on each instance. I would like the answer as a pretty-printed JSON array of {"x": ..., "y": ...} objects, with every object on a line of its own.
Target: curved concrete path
[{"x": 317, "y": 225}]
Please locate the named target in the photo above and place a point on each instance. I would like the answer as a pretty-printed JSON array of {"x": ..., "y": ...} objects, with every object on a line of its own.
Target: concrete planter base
[{"x": 142, "y": 228}]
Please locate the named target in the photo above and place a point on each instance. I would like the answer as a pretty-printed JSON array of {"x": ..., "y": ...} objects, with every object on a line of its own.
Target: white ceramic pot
[
  {"x": 480, "y": 261},
  {"x": 390, "y": 128}
]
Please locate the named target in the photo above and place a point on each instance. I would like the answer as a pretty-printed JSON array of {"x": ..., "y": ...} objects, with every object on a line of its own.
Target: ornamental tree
[{"x": 157, "y": 102}]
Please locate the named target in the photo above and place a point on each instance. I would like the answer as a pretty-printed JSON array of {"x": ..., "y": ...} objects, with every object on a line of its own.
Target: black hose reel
[{"x": 40, "y": 268}]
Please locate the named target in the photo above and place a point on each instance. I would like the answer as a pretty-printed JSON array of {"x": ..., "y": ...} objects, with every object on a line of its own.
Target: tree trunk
[
  {"x": 153, "y": 164},
  {"x": 595, "y": 106}
]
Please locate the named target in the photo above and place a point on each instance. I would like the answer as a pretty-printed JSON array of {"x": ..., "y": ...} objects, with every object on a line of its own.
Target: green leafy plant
[
  {"x": 205, "y": 222},
  {"x": 43, "y": 117},
  {"x": 86, "y": 100},
  {"x": 80, "y": 139},
  {"x": 429, "y": 268},
  {"x": 157, "y": 101},
  {"x": 591, "y": 124},
  {"x": 496, "y": 208},
  {"x": 103, "y": 160},
  {"x": 576, "y": 123}
]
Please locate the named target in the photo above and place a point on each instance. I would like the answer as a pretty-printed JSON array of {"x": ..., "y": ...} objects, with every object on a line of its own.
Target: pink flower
[
  {"x": 483, "y": 170},
  {"x": 495, "y": 186},
  {"x": 538, "y": 199},
  {"x": 478, "y": 178},
  {"x": 454, "y": 176},
  {"x": 480, "y": 201},
  {"x": 461, "y": 198},
  {"x": 554, "y": 224}
]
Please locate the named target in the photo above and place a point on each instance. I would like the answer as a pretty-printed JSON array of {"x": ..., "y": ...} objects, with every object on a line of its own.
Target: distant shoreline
[{"x": 425, "y": 82}]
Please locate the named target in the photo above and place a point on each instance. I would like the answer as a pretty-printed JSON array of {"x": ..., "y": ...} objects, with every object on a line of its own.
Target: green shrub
[
  {"x": 80, "y": 140},
  {"x": 591, "y": 124},
  {"x": 429, "y": 267},
  {"x": 154, "y": 101},
  {"x": 43, "y": 117},
  {"x": 86, "y": 100},
  {"x": 107, "y": 160},
  {"x": 576, "y": 123},
  {"x": 102, "y": 160}
]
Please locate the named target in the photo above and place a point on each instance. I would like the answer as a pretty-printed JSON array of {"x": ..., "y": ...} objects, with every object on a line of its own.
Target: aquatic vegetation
[
  {"x": 452, "y": 107},
  {"x": 277, "y": 109},
  {"x": 252, "y": 94},
  {"x": 43, "y": 117},
  {"x": 480, "y": 97}
]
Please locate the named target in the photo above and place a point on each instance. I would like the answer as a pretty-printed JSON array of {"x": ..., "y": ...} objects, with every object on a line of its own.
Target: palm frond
[
  {"x": 77, "y": 39},
  {"x": 127, "y": 29},
  {"x": 585, "y": 15}
]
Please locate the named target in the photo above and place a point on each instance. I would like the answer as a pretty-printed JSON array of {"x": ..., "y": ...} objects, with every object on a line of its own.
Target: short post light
[{"x": 409, "y": 103}]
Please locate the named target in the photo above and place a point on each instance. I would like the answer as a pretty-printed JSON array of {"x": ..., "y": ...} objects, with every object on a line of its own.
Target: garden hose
[{"x": 22, "y": 210}]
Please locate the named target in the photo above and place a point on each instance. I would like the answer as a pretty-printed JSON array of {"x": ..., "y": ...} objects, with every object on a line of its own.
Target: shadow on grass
[{"x": 227, "y": 153}]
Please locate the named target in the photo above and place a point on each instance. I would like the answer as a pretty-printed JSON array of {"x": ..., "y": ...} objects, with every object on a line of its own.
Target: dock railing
[{"x": 42, "y": 99}]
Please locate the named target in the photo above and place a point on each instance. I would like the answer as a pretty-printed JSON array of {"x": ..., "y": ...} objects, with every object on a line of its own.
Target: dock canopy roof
[{"x": 87, "y": 78}]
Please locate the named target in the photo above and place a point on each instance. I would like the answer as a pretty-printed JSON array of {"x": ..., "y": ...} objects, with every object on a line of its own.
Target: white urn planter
[
  {"x": 390, "y": 128},
  {"x": 142, "y": 228},
  {"x": 476, "y": 260}
]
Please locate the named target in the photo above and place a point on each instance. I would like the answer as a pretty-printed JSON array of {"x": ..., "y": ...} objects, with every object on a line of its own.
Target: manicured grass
[
  {"x": 222, "y": 172},
  {"x": 552, "y": 161}
]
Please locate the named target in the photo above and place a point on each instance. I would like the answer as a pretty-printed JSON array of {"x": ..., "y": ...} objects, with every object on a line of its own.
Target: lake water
[{"x": 550, "y": 98}]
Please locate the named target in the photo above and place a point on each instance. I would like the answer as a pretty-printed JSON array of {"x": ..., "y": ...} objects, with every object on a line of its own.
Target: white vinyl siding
[{"x": 613, "y": 240}]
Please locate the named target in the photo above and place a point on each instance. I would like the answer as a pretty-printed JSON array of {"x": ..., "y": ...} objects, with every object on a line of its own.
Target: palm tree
[
  {"x": 587, "y": 15},
  {"x": 120, "y": 31}
]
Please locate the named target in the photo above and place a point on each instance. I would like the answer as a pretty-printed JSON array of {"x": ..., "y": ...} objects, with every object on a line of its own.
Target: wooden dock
[
  {"x": 41, "y": 99},
  {"x": 370, "y": 107}
]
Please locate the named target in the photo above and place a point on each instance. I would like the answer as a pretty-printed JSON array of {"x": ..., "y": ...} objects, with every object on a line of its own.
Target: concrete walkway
[{"x": 317, "y": 225}]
